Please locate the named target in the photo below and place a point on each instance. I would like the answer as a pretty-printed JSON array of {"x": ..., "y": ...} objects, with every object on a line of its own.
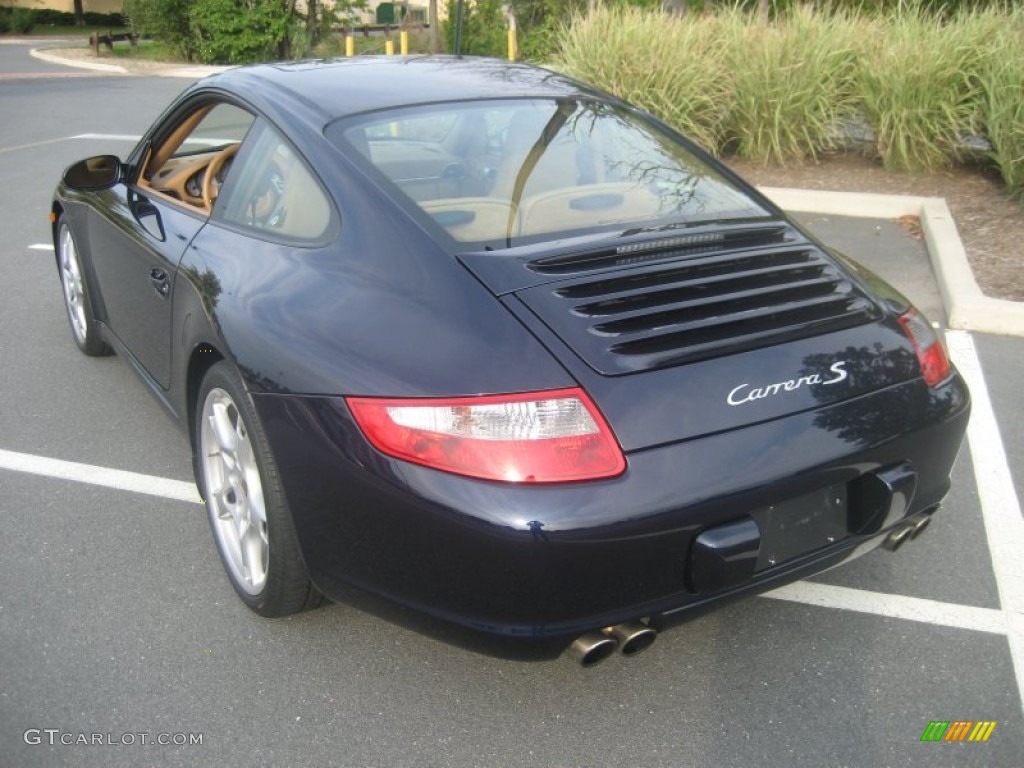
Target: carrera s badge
[{"x": 744, "y": 394}]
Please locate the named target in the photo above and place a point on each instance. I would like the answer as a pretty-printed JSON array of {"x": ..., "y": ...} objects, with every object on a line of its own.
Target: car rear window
[{"x": 507, "y": 172}]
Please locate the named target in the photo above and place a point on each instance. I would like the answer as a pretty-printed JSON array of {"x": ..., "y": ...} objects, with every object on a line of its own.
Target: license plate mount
[{"x": 801, "y": 525}]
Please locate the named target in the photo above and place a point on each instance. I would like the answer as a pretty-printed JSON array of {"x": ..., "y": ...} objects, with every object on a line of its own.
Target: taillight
[
  {"x": 930, "y": 352},
  {"x": 539, "y": 437}
]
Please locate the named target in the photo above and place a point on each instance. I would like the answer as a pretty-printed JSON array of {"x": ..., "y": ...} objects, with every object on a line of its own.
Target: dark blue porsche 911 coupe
[{"x": 495, "y": 345}]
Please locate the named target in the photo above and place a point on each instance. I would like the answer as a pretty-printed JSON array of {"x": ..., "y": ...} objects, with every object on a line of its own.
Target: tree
[
  {"x": 164, "y": 20},
  {"x": 241, "y": 31},
  {"x": 312, "y": 22},
  {"x": 483, "y": 28},
  {"x": 435, "y": 27}
]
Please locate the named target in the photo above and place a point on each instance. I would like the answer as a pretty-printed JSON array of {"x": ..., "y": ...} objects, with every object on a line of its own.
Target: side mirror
[{"x": 94, "y": 173}]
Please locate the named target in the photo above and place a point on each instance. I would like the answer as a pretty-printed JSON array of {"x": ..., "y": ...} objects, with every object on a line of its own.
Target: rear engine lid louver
[{"x": 698, "y": 307}]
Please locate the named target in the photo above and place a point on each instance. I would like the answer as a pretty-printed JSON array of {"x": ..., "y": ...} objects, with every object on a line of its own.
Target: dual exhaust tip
[
  {"x": 633, "y": 637},
  {"x": 630, "y": 638},
  {"x": 907, "y": 530}
]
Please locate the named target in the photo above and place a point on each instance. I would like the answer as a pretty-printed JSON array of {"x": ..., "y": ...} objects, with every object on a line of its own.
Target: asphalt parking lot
[{"x": 116, "y": 618}]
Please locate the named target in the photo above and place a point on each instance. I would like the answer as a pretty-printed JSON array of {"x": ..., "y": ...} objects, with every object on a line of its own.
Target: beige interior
[
  {"x": 490, "y": 217},
  {"x": 307, "y": 212},
  {"x": 570, "y": 207}
]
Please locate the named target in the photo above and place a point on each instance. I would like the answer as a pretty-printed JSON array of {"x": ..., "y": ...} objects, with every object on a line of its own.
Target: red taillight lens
[
  {"x": 930, "y": 352},
  {"x": 539, "y": 437}
]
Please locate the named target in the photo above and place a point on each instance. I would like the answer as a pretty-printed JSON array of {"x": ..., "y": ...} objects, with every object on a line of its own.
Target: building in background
[
  {"x": 396, "y": 12},
  {"x": 67, "y": 6}
]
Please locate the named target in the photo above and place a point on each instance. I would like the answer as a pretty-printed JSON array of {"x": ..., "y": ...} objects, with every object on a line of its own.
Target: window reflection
[{"x": 500, "y": 173}]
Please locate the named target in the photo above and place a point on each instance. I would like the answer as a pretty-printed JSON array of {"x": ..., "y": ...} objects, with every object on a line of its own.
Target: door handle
[{"x": 160, "y": 281}]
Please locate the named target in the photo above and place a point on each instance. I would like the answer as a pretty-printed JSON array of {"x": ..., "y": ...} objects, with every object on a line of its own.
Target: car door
[
  {"x": 135, "y": 250},
  {"x": 137, "y": 244}
]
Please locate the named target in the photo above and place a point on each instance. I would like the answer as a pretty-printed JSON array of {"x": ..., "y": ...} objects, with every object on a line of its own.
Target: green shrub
[
  {"x": 1002, "y": 86},
  {"x": 240, "y": 31},
  {"x": 923, "y": 75},
  {"x": 771, "y": 92},
  {"x": 484, "y": 29},
  {"x": 793, "y": 82},
  {"x": 163, "y": 20},
  {"x": 540, "y": 22},
  {"x": 918, "y": 81},
  {"x": 22, "y": 21},
  {"x": 102, "y": 19},
  {"x": 46, "y": 17},
  {"x": 672, "y": 67}
]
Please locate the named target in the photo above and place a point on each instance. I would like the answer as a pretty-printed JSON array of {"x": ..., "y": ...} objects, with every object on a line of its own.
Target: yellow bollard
[
  {"x": 513, "y": 48},
  {"x": 389, "y": 47},
  {"x": 350, "y": 45},
  {"x": 404, "y": 39}
]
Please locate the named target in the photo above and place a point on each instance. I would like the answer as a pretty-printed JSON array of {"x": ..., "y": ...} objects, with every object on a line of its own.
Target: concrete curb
[
  {"x": 38, "y": 53},
  {"x": 188, "y": 72},
  {"x": 966, "y": 306}
]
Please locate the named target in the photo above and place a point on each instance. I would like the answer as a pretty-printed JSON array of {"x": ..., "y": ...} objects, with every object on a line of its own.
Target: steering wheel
[{"x": 210, "y": 192}]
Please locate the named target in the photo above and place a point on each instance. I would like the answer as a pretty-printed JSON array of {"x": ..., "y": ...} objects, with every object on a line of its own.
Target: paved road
[
  {"x": 116, "y": 619},
  {"x": 16, "y": 63}
]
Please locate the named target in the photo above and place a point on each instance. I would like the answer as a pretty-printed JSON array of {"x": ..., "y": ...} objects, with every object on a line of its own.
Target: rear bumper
[{"x": 558, "y": 560}]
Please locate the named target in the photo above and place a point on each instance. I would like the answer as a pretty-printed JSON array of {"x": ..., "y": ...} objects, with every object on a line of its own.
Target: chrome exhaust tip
[
  {"x": 918, "y": 523},
  {"x": 592, "y": 648},
  {"x": 907, "y": 530},
  {"x": 898, "y": 537},
  {"x": 632, "y": 637}
]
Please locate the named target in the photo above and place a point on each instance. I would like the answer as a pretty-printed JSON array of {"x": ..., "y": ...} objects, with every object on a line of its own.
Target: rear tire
[
  {"x": 77, "y": 301},
  {"x": 251, "y": 522}
]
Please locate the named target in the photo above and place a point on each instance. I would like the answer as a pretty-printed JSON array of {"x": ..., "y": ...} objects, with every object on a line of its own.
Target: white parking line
[
  {"x": 88, "y": 136},
  {"x": 40, "y": 247},
  {"x": 823, "y": 595},
  {"x": 33, "y": 145},
  {"x": 105, "y": 476},
  {"x": 894, "y": 606},
  {"x": 996, "y": 621},
  {"x": 1000, "y": 507},
  {"x": 106, "y": 136},
  {"x": 1004, "y": 526}
]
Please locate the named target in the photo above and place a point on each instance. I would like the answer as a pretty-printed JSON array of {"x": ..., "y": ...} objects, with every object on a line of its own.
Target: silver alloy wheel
[
  {"x": 234, "y": 491},
  {"x": 71, "y": 279}
]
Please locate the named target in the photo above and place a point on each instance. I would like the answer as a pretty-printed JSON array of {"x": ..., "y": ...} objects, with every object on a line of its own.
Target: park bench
[{"x": 96, "y": 39}]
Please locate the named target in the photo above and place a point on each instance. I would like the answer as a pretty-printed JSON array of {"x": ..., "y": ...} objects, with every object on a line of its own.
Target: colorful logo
[{"x": 958, "y": 730}]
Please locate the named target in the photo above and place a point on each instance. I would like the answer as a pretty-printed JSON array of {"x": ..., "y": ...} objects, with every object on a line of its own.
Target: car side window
[
  {"x": 190, "y": 164},
  {"x": 273, "y": 191}
]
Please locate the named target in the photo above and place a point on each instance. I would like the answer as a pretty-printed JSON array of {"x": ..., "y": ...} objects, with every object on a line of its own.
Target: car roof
[{"x": 335, "y": 88}]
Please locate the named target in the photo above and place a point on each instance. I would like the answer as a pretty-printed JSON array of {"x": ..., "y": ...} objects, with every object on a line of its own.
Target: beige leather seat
[
  {"x": 307, "y": 212},
  {"x": 554, "y": 166},
  {"x": 473, "y": 218},
  {"x": 588, "y": 205}
]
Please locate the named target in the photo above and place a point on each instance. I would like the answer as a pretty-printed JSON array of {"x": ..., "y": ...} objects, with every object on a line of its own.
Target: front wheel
[
  {"x": 250, "y": 519},
  {"x": 77, "y": 301}
]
